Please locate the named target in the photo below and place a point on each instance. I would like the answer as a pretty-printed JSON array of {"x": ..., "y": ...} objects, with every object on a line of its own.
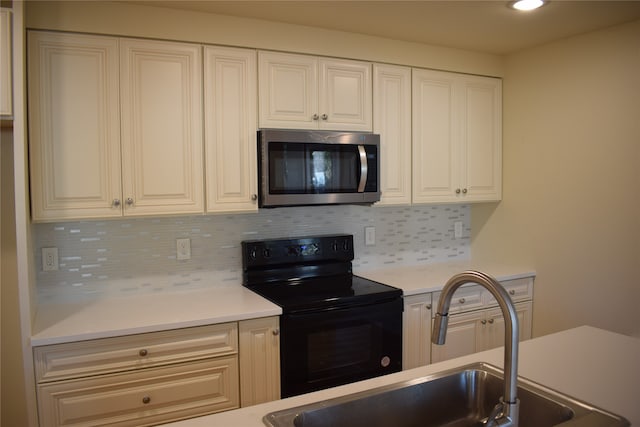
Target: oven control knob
[
  {"x": 266, "y": 252},
  {"x": 385, "y": 361},
  {"x": 253, "y": 253},
  {"x": 334, "y": 246},
  {"x": 345, "y": 245}
]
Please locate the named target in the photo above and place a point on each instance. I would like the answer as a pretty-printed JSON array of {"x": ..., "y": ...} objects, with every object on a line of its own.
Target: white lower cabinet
[
  {"x": 475, "y": 322},
  {"x": 416, "y": 334},
  {"x": 259, "y": 361},
  {"x": 478, "y": 331},
  {"x": 158, "y": 377}
]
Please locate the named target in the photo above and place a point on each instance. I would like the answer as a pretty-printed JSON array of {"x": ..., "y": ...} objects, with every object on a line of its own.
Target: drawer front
[
  {"x": 465, "y": 298},
  {"x": 518, "y": 290},
  {"x": 146, "y": 397},
  {"x": 110, "y": 355}
]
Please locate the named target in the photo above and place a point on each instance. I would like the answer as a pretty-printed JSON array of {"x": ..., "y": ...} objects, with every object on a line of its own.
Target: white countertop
[
  {"x": 58, "y": 323},
  {"x": 432, "y": 277},
  {"x": 599, "y": 367},
  {"x": 108, "y": 317}
]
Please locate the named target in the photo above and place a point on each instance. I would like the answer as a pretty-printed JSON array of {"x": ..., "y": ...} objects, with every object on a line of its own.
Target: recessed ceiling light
[{"x": 526, "y": 5}]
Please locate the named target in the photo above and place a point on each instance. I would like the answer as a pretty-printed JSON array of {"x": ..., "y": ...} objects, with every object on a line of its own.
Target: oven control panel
[{"x": 257, "y": 253}]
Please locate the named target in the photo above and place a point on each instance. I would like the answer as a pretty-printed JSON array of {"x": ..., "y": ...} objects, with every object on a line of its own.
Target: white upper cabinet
[
  {"x": 74, "y": 126},
  {"x": 6, "y": 90},
  {"x": 161, "y": 90},
  {"x": 392, "y": 120},
  {"x": 457, "y": 138},
  {"x": 115, "y": 127},
  {"x": 230, "y": 129},
  {"x": 305, "y": 92}
]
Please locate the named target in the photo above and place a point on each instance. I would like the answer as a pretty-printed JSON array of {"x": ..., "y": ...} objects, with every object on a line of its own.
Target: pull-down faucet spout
[{"x": 506, "y": 413}]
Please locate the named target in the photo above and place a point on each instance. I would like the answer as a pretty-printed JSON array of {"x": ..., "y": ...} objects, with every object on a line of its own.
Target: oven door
[{"x": 334, "y": 347}]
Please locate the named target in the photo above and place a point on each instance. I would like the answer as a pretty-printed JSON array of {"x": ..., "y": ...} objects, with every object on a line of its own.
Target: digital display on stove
[{"x": 303, "y": 250}]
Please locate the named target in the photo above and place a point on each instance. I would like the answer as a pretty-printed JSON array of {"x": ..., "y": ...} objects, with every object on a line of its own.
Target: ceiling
[{"x": 484, "y": 26}]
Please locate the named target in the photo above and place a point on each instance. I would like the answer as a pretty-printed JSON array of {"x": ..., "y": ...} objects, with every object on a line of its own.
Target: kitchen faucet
[{"x": 505, "y": 412}]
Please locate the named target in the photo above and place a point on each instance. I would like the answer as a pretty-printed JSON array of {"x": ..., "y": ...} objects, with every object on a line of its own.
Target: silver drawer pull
[
  {"x": 512, "y": 291},
  {"x": 143, "y": 352},
  {"x": 146, "y": 400},
  {"x": 461, "y": 300},
  {"x": 428, "y": 306},
  {"x": 484, "y": 322},
  {"x": 491, "y": 321}
]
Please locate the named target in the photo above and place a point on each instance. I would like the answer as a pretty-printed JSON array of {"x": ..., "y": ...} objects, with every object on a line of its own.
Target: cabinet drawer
[
  {"x": 466, "y": 298},
  {"x": 518, "y": 290},
  {"x": 109, "y": 355},
  {"x": 145, "y": 397}
]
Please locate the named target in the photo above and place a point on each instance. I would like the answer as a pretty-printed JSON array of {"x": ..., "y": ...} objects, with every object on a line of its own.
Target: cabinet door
[
  {"x": 345, "y": 95},
  {"x": 493, "y": 329},
  {"x": 162, "y": 143},
  {"x": 463, "y": 337},
  {"x": 74, "y": 126},
  {"x": 416, "y": 348},
  {"x": 259, "y": 360},
  {"x": 288, "y": 86},
  {"x": 436, "y": 165},
  {"x": 230, "y": 129},
  {"x": 6, "y": 102},
  {"x": 145, "y": 397},
  {"x": 481, "y": 139},
  {"x": 392, "y": 120}
]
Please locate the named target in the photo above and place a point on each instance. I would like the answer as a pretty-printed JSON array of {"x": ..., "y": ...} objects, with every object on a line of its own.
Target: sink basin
[{"x": 456, "y": 398}]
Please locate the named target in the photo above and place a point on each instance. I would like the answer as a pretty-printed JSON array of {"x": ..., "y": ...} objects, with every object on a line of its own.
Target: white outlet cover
[
  {"x": 183, "y": 249},
  {"x": 49, "y": 259}
]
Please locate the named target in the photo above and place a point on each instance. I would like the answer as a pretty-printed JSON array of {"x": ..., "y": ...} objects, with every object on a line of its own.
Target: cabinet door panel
[
  {"x": 345, "y": 95},
  {"x": 435, "y": 153},
  {"x": 146, "y": 397},
  {"x": 463, "y": 337},
  {"x": 230, "y": 129},
  {"x": 494, "y": 328},
  {"x": 288, "y": 87},
  {"x": 416, "y": 338},
  {"x": 162, "y": 127},
  {"x": 259, "y": 360},
  {"x": 74, "y": 126},
  {"x": 392, "y": 99},
  {"x": 482, "y": 136}
]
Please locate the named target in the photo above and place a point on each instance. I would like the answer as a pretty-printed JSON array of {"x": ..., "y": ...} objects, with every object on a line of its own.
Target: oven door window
[
  {"x": 297, "y": 168},
  {"x": 330, "y": 348}
]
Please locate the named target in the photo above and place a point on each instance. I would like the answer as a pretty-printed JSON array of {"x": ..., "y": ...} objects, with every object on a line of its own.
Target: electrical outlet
[
  {"x": 183, "y": 249},
  {"x": 49, "y": 259},
  {"x": 369, "y": 236}
]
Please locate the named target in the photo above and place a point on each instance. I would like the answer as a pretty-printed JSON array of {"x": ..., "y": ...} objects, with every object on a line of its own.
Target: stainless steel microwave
[{"x": 299, "y": 167}]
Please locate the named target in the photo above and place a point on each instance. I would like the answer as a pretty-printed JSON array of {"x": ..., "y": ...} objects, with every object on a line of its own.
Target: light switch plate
[{"x": 183, "y": 249}]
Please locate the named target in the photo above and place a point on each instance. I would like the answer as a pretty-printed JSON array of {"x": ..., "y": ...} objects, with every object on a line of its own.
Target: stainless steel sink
[{"x": 456, "y": 398}]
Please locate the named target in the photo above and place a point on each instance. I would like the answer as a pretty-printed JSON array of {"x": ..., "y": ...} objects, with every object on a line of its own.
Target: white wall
[{"x": 571, "y": 205}]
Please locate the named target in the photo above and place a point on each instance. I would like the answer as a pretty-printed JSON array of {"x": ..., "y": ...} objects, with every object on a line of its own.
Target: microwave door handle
[{"x": 363, "y": 168}]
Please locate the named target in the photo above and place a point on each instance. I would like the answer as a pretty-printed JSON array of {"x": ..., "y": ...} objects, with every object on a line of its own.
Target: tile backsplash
[{"x": 138, "y": 255}]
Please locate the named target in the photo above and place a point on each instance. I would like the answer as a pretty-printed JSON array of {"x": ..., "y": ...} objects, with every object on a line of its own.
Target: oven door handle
[{"x": 364, "y": 168}]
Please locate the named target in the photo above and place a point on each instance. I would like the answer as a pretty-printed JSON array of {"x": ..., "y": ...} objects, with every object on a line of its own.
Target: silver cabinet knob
[
  {"x": 143, "y": 352},
  {"x": 254, "y": 197},
  {"x": 115, "y": 203},
  {"x": 484, "y": 322},
  {"x": 491, "y": 321},
  {"x": 462, "y": 300},
  {"x": 457, "y": 191},
  {"x": 315, "y": 117},
  {"x": 129, "y": 201},
  {"x": 512, "y": 291},
  {"x": 325, "y": 117},
  {"x": 276, "y": 332},
  {"x": 464, "y": 191},
  {"x": 146, "y": 400},
  {"x": 428, "y": 306}
]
